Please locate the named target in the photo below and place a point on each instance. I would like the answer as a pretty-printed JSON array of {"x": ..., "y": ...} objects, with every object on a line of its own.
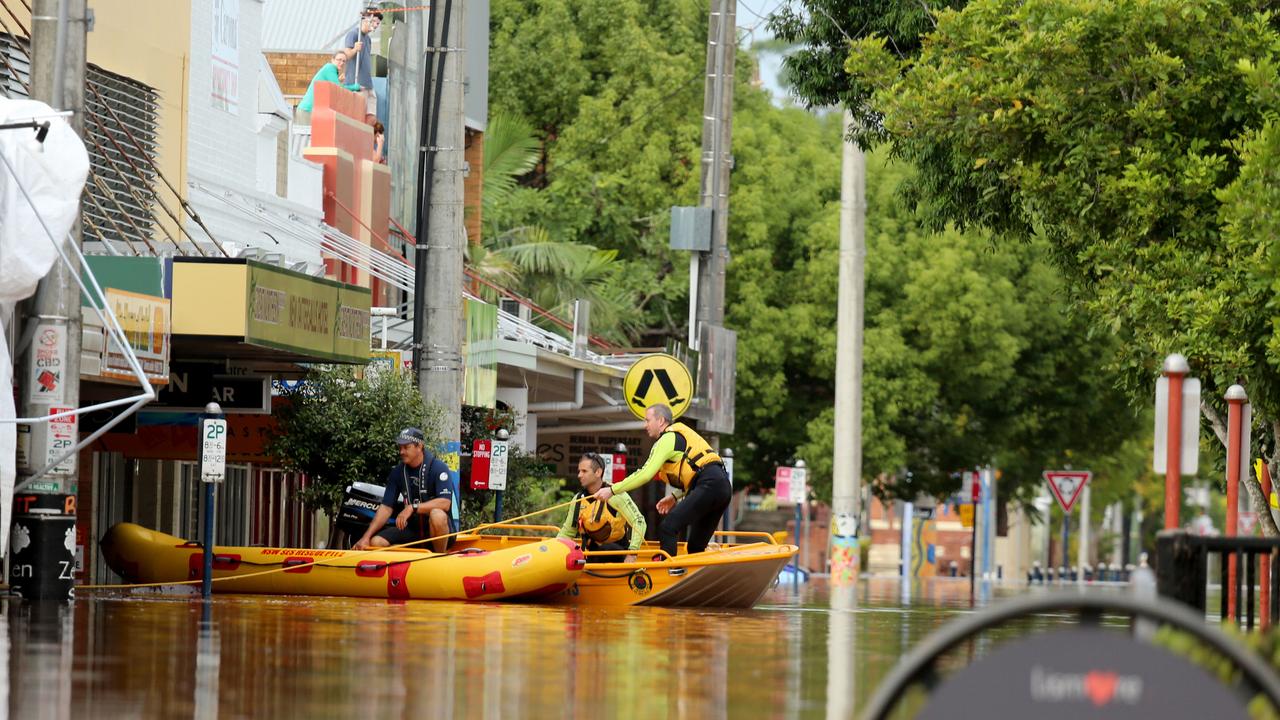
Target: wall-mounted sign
[
  {"x": 192, "y": 386},
  {"x": 297, "y": 312},
  {"x": 225, "y": 56},
  {"x": 145, "y": 322},
  {"x": 271, "y": 307}
]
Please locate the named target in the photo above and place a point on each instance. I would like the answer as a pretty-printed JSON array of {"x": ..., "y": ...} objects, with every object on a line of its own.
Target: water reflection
[{"x": 806, "y": 653}]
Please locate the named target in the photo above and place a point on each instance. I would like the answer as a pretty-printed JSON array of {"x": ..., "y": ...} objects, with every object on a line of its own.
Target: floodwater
[{"x": 155, "y": 656}]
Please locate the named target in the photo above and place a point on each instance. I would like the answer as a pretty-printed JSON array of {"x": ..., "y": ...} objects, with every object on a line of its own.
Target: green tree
[
  {"x": 967, "y": 347},
  {"x": 339, "y": 427},
  {"x": 614, "y": 90},
  {"x": 1113, "y": 131},
  {"x": 526, "y": 258}
]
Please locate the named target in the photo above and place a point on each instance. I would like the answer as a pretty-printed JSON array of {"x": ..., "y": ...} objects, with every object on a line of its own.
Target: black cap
[{"x": 411, "y": 435}]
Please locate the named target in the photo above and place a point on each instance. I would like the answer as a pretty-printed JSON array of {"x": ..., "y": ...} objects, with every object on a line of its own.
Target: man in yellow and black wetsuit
[
  {"x": 696, "y": 474},
  {"x": 615, "y": 524}
]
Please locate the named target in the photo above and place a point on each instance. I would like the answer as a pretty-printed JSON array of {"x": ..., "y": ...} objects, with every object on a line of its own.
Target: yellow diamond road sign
[{"x": 658, "y": 378}]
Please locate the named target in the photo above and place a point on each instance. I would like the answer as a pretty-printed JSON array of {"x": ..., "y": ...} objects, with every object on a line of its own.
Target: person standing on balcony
[
  {"x": 331, "y": 73},
  {"x": 682, "y": 459},
  {"x": 360, "y": 60}
]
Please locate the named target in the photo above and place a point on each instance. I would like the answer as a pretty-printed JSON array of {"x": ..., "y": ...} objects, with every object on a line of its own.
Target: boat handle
[
  {"x": 767, "y": 537},
  {"x": 513, "y": 526}
]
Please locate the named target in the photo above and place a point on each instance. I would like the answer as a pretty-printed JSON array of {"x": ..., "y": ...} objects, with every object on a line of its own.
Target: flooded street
[{"x": 256, "y": 656}]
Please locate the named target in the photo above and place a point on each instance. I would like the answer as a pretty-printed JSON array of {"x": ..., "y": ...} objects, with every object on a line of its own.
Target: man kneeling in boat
[
  {"x": 615, "y": 524},
  {"x": 696, "y": 474},
  {"x": 418, "y": 493}
]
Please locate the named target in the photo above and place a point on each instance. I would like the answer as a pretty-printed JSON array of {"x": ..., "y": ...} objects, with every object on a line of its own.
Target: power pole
[
  {"x": 441, "y": 237},
  {"x": 41, "y": 565},
  {"x": 717, "y": 139},
  {"x": 847, "y": 470}
]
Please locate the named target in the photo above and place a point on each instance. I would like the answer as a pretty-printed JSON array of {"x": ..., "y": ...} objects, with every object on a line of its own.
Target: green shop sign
[{"x": 291, "y": 311}]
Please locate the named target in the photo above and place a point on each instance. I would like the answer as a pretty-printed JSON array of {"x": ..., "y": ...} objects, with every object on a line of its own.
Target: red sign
[
  {"x": 619, "y": 468},
  {"x": 480, "y": 454},
  {"x": 1066, "y": 485}
]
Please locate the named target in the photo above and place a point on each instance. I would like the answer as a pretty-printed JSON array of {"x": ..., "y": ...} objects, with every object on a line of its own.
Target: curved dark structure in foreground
[{"x": 920, "y": 664}]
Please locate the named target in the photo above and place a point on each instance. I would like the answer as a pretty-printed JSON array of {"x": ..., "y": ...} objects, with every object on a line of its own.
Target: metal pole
[
  {"x": 49, "y": 369},
  {"x": 1175, "y": 368},
  {"x": 1082, "y": 555},
  {"x": 796, "y": 577},
  {"x": 206, "y": 587},
  {"x": 212, "y": 411},
  {"x": 1066, "y": 540},
  {"x": 906, "y": 540},
  {"x": 973, "y": 552},
  {"x": 988, "y": 524},
  {"x": 1236, "y": 398},
  {"x": 1264, "y": 561}
]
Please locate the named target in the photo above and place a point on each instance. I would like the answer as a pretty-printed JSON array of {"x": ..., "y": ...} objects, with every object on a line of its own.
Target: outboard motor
[{"x": 359, "y": 503}]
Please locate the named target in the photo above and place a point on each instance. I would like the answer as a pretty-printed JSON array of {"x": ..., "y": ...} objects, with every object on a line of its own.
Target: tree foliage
[
  {"x": 1118, "y": 133},
  {"x": 971, "y": 356},
  {"x": 340, "y": 427}
]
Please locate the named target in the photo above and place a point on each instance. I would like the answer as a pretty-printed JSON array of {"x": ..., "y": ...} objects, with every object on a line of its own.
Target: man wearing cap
[
  {"x": 418, "y": 494},
  {"x": 359, "y": 69}
]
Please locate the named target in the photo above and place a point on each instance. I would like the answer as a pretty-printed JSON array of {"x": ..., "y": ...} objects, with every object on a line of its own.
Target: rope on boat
[{"x": 324, "y": 563}]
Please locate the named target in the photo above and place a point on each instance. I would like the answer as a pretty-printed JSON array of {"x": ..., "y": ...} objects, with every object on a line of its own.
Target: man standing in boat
[
  {"x": 615, "y": 524},
  {"x": 696, "y": 474},
  {"x": 418, "y": 493}
]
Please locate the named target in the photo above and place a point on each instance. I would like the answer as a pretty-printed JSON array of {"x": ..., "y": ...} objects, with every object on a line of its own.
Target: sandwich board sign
[{"x": 1066, "y": 485}]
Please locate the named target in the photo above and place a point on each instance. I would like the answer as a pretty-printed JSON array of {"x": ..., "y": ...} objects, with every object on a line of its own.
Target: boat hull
[
  {"x": 528, "y": 570},
  {"x": 735, "y": 576}
]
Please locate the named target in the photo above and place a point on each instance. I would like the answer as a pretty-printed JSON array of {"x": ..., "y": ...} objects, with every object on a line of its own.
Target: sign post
[
  {"x": 1066, "y": 486},
  {"x": 498, "y": 455},
  {"x": 974, "y": 485},
  {"x": 213, "y": 470},
  {"x": 799, "y": 496}
]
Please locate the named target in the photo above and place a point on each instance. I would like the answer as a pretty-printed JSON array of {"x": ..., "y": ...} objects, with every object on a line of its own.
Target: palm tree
[{"x": 527, "y": 258}]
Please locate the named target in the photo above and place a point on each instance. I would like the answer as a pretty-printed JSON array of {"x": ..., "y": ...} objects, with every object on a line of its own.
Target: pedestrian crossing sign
[{"x": 658, "y": 378}]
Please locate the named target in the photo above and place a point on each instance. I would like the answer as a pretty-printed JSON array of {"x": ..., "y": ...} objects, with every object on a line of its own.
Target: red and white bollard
[{"x": 1236, "y": 398}]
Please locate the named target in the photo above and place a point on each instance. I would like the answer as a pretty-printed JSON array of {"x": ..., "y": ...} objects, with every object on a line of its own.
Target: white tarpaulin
[{"x": 53, "y": 174}]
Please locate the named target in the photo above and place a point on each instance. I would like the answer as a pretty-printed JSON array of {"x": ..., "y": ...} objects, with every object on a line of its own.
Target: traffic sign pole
[{"x": 213, "y": 467}]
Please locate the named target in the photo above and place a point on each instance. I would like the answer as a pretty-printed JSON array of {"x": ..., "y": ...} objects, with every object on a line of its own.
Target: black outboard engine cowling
[{"x": 359, "y": 503}]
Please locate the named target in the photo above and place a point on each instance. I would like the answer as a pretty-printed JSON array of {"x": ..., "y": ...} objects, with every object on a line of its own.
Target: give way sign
[{"x": 1066, "y": 485}]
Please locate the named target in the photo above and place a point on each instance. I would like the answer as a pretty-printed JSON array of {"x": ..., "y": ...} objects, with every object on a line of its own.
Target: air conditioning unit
[{"x": 514, "y": 307}]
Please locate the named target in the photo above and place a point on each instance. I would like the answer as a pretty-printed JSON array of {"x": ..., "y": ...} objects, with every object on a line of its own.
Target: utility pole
[
  {"x": 847, "y": 463},
  {"x": 717, "y": 139},
  {"x": 438, "y": 321},
  {"x": 41, "y": 565}
]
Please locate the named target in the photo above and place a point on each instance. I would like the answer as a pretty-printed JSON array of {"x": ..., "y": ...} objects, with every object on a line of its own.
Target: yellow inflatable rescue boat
[{"x": 520, "y": 571}]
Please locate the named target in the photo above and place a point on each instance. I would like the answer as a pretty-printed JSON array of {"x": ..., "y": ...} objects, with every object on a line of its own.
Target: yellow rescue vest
[
  {"x": 598, "y": 522},
  {"x": 695, "y": 454}
]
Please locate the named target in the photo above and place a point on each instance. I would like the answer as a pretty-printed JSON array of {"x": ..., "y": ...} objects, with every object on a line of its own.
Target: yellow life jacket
[
  {"x": 695, "y": 454},
  {"x": 599, "y": 523}
]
